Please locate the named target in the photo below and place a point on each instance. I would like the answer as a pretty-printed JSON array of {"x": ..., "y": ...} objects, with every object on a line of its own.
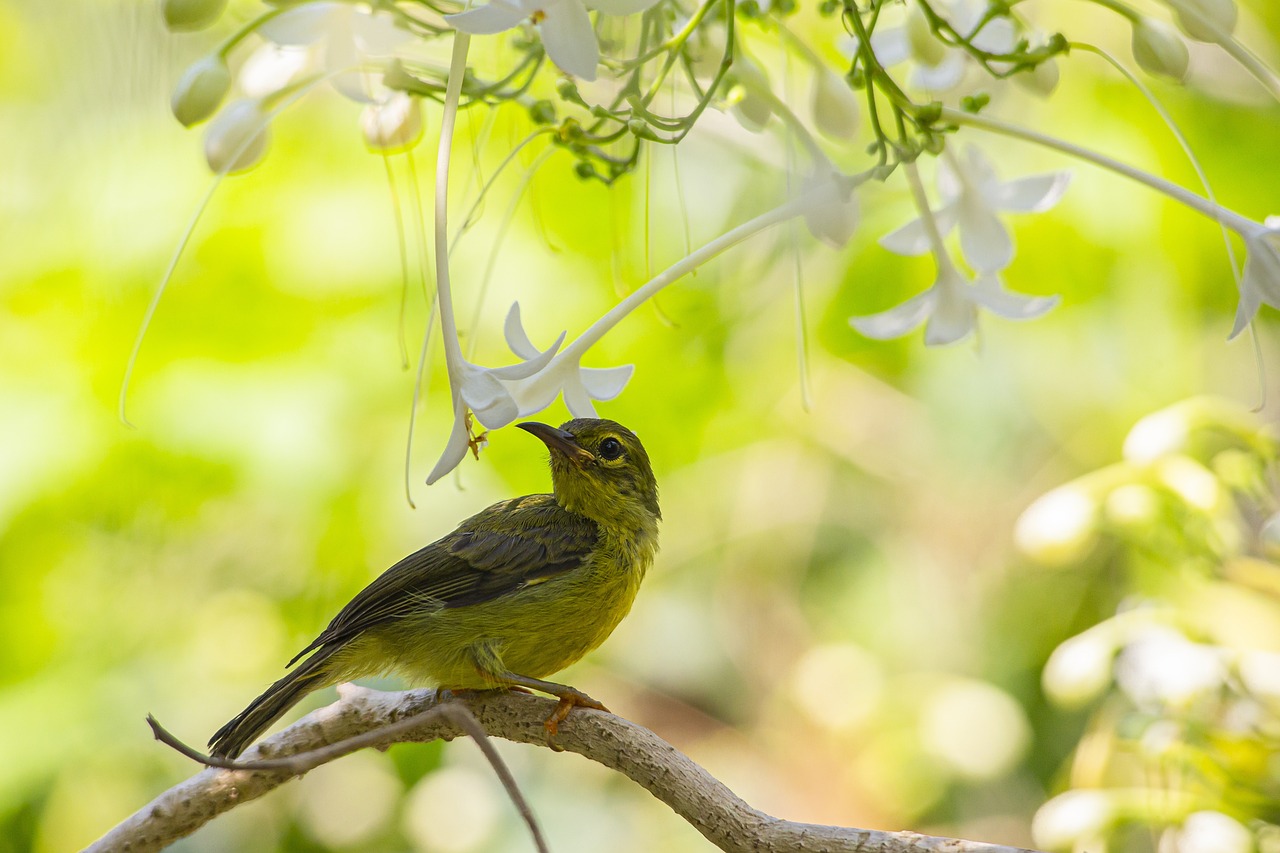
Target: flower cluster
[{"x": 913, "y": 75}]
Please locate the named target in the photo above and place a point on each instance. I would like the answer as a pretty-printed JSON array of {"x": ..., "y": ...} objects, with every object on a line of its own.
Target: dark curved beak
[{"x": 558, "y": 441}]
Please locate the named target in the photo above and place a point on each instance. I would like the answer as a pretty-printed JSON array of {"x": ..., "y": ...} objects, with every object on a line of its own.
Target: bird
[{"x": 516, "y": 593}]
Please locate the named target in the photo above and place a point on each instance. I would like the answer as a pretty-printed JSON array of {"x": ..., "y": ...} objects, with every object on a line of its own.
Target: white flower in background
[
  {"x": 1212, "y": 832},
  {"x": 1261, "y": 279},
  {"x": 393, "y": 125},
  {"x": 1162, "y": 667},
  {"x": 272, "y": 67},
  {"x": 949, "y": 309},
  {"x": 237, "y": 138},
  {"x": 833, "y": 216},
  {"x": 972, "y": 196},
  {"x": 565, "y": 26},
  {"x": 1073, "y": 817},
  {"x": 939, "y": 67},
  {"x": 347, "y": 40}
]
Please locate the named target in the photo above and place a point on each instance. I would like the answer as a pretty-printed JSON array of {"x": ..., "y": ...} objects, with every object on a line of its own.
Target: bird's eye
[{"x": 611, "y": 448}]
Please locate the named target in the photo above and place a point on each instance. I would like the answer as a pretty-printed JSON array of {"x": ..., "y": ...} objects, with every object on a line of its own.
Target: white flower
[
  {"x": 833, "y": 216},
  {"x": 483, "y": 391},
  {"x": 1160, "y": 666},
  {"x": 939, "y": 67},
  {"x": 972, "y": 195},
  {"x": 949, "y": 309},
  {"x": 347, "y": 38},
  {"x": 1261, "y": 280},
  {"x": 564, "y": 375},
  {"x": 499, "y": 395},
  {"x": 565, "y": 26},
  {"x": 394, "y": 125},
  {"x": 237, "y": 138}
]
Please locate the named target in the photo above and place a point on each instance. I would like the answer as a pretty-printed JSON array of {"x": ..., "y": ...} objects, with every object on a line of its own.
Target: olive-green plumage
[{"x": 516, "y": 593}]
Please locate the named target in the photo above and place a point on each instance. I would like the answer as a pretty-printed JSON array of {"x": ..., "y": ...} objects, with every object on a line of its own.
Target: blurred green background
[{"x": 841, "y": 625}]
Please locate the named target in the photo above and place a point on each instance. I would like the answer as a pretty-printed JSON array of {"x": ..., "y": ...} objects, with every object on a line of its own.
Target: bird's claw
[{"x": 568, "y": 701}]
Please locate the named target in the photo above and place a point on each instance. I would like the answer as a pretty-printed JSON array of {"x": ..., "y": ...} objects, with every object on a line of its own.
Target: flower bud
[
  {"x": 1159, "y": 49},
  {"x": 1206, "y": 20},
  {"x": 1040, "y": 80},
  {"x": 925, "y": 47},
  {"x": 237, "y": 138},
  {"x": 200, "y": 91},
  {"x": 836, "y": 109},
  {"x": 191, "y": 14},
  {"x": 394, "y": 125}
]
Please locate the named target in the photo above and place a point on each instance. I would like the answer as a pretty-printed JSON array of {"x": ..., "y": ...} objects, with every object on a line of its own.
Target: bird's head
[{"x": 599, "y": 469}]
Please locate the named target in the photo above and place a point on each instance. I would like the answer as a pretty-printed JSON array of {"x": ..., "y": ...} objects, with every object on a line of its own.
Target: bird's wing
[{"x": 506, "y": 547}]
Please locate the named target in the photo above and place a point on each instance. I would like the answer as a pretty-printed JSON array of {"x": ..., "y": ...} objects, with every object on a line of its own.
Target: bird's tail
[{"x": 231, "y": 740}]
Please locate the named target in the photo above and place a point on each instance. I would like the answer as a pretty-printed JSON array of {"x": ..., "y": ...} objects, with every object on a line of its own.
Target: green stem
[{"x": 251, "y": 27}]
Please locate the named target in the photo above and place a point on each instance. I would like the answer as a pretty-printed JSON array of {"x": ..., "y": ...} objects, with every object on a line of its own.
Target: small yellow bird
[{"x": 516, "y": 593}]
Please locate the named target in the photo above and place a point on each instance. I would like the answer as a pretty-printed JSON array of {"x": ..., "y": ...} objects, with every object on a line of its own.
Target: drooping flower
[
  {"x": 972, "y": 196},
  {"x": 565, "y": 26},
  {"x": 349, "y": 41},
  {"x": 394, "y": 125},
  {"x": 484, "y": 392},
  {"x": 1260, "y": 282},
  {"x": 949, "y": 309},
  {"x": 833, "y": 216}
]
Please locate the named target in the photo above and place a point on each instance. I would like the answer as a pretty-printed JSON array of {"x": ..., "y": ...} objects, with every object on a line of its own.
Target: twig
[
  {"x": 304, "y": 762},
  {"x": 371, "y": 718}
]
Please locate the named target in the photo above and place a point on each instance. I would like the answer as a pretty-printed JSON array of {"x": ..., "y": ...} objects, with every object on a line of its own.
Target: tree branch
[{"x": 632, "y": 750}]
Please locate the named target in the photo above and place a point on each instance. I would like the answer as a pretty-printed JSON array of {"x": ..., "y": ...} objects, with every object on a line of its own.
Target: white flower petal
[
  {"x": 953, "y": 317},
  {"x": 832, "y": 215},
  {"x": 270, "y": 68},
  {"x": 988, "y": 293},
  {"x": 578, "y": 401},
  {"x": 891, "y": 46},
  {"x": 605, "y": 383},
  {"x": 1261, "y": 279},
  {"x": 899, "y": 320},
  {"x": 489, "y": 399},
  {"x": 377, "y": 34},
  {"x": 517, "y": 339},
  {"x": 529, "y": 367},
  {"x": 494, "y": 18},
  {"x": 1034, "y": 194},
  {"x": 456, "y": 449},
  {"x": 998, "y": 36},
  {"x": 912, "y": 239},
  {"x": 621, "y": 7},
  {"x": 570, "y": 39},
  {"x": 302, "y": 25},
  {"x": 941, "y": 77},
  {"x": 986, "y": 242}
]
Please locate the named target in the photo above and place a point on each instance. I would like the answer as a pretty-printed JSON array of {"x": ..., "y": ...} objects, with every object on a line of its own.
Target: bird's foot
[{"x": 568, "y": 700}]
